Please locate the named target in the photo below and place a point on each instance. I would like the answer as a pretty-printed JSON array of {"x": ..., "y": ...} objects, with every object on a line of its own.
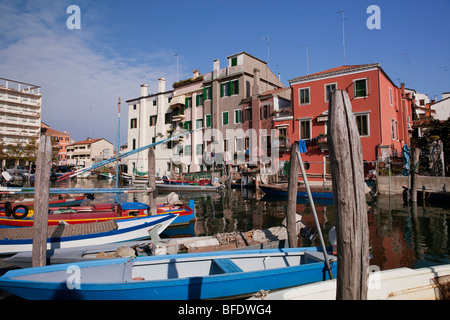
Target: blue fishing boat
[
  {"x": 281, "y": 190},
  {"x": 207, "y": 275}
]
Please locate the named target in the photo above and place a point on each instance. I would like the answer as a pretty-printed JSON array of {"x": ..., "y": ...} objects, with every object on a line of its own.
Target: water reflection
[{"x": 399, "y": 235}]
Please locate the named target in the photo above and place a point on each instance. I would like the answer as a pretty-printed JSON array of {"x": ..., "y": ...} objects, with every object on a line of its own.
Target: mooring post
[
  {"x": 349, "y": 199},
  {"x": 41, "y": 198},
  {"x": 151, "y": 179},
  {"x": 415, "y": 157},
  {"x": 292, "y": 197}
]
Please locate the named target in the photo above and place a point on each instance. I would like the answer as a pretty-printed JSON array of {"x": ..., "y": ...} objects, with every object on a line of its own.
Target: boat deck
[{"x": 61, "y": 230}]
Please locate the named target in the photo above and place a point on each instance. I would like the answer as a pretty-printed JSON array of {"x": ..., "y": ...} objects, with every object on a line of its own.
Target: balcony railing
[
  {"x": 223, "y": 72},
  {"x": 282, "y": 143}
]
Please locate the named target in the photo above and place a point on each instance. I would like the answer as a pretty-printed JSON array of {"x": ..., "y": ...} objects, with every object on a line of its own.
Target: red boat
[{"x": 103, "y": 212}]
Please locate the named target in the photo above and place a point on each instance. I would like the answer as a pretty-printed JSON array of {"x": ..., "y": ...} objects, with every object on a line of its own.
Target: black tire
[
  {"x": 8, "y": 209},
  {"x": 20, "y": 215}
]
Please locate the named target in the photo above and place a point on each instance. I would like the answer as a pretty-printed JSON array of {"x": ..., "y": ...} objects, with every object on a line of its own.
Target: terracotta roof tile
[{"x": 337, "y": 70}]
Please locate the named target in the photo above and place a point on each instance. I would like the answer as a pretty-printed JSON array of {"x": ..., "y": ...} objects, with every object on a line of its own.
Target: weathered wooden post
[
  {"x": 349, "y": 199},
  {"x": 292, "y": 197},
  {"x": 415, "y": 156},
  {"x": 151, "y": 179},
  {"x": 41, "y": 198}
]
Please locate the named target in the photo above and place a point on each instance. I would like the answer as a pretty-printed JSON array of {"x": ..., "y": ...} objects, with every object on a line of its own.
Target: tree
[{"x": 437, "y": 130}]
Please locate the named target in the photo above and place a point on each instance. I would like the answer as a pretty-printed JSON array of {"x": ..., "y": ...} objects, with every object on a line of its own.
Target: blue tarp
[
  {"x": 406, "y": 158},
  {"x": 302, "y": 146}
]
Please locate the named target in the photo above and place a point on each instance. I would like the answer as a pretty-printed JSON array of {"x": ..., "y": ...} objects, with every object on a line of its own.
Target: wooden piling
[
  {"x": 292, "y": 196},
  {"x": 415, "y": 156},
  {"x": 151, "y": 179},
  {"x": 41, "y": 198},
  {"x": 349, "y": 199}
]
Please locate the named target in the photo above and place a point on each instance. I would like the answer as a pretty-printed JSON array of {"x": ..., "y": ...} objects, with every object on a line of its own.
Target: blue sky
[{"x": 122, "y": 44}]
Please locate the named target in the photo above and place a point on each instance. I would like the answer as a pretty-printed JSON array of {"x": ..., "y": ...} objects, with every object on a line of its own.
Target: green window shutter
[
  {"x": 208, "y": 121},
  {"x": 222, "y": 89},
  {"x": 236, "y": 87},
  {"x": 234, "y": 61},
  {"x": 197, "y": 100},
  {"x": 204, "y": 94},
  {"x": 230, "y": 88},
  {"x": 225, "y": 118}
]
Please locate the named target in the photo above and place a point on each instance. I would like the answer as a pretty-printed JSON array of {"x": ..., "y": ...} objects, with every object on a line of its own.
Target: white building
[
  {"x": 442, "y": 107},
  {"x": 90, "y": 151},
  {"x": 20, "y": 111},
  {"x": 150, "y": 120}
]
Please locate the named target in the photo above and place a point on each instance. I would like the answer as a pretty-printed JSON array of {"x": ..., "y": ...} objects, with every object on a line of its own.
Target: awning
[{"x": 177, "y": 100}]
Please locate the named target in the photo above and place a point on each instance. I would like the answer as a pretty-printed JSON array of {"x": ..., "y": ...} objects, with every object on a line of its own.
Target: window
[
  {"x": 133, "y": 123},
  {"x": 362, "y": 122},
  {"x": 188, "y": 125},
  {"x": 329, "y": 88},
  {"x": 188, "y": 102},
  {"x": 234, "y": 61},
  {"x": 305, "y": 129},
  {"x": 199, "y": 149},
  {"x": 394, "y": 128},
  {"x": 390, "y": 97},
  {"x": 304, "y": 96},
  {"x": 229, "y": 88},
  {"x": 238, "y": 144},
  {"x": 208, "y": 120},
  {"x": 237, "y": 116},
  {"x": 248, "y": 114},
  {"x": 187, "y": 150},
  {"x": 199, "y": 100},
  {"x": 134, "y": 144},
  {"x": 360, "y": 87},
  {"x": 154, "y": 102},
  {"x": 207, "y": 93},
  {"x": 199, "y": 123},
  {"x": 134, "y": 107},
  {"x": 153, "y": 121},
  {"x": 224, "y": 118},
  {"x": 168, "y": 118}
]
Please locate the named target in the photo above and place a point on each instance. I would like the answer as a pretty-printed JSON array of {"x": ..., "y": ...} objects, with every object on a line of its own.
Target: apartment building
[
  {"x": 210, "y": 104},
  {"x": 382, "y": 112},
  {"x": 20, "y": 111},
  {"x": 150, "y": 120},
  {"x": 87, "y": 152}
]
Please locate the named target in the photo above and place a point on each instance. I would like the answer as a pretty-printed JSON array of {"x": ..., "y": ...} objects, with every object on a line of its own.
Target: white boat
[
  {"x": 96, "y": 233},
  {"x": 430, "y": 283}
]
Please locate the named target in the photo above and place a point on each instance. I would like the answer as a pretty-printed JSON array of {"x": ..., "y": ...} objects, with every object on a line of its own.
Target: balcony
[
  {"x": 223, "y": 72},
  {"x": 282, "y": 143}
]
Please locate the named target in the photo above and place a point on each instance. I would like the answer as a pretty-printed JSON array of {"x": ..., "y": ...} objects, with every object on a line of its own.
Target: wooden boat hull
[
  {"x": 394, "y": 284},
  {"x": 20, "y": 239},
  {"x": 173, "y": 277},
  {"x": 282, "y": 191},
  {"x": 187, "y": 188},
  {"x": 102, "y": 212}
]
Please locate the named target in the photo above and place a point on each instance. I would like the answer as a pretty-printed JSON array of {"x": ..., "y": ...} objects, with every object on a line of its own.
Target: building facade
[
  {"x": 20, "y": 112},
  {"x": 150, "y": 121},
  {"x": 382, "y": 112},
  {"x": 87, "y": 152},
  {"x": 60, "y": 139},
  {"x": 212, "y": 105}
]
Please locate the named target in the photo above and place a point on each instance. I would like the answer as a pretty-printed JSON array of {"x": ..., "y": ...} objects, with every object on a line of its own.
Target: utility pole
[
  {"x": 176, "y": 55},
  {"x": 341, "y": 12},
  {"x": 307, "y": 57}
]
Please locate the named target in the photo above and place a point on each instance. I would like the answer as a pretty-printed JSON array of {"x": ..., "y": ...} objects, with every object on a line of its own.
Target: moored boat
[
  {"x": 103, "y": 212},
  {"x": 429, "y": 283},
  {"x": 281, "y": 190},
  {"x": 69, "y": 236},
  {"x": 206, "y": 275}
]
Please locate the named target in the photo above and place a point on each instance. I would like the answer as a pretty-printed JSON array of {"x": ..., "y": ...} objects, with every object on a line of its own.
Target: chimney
[
  {"x": 161, "y": 85},
  {"x": 255, "y": 88},
  {"x": 195, "y": 73},
  {"x": 144, "y": 90},
  {"x": 216, "y": 68}
]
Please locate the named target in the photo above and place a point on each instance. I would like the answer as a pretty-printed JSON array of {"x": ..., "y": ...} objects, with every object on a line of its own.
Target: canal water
[{"x": 399, "y": 235}]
